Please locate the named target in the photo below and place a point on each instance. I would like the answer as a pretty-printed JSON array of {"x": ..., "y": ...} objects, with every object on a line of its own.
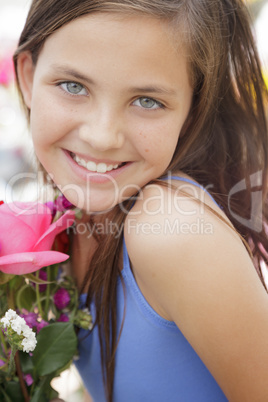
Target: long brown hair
[{"x": 223, "y": 142}]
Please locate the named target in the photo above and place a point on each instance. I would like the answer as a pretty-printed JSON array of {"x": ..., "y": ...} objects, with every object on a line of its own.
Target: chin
[{"x": 95, "y": 206}]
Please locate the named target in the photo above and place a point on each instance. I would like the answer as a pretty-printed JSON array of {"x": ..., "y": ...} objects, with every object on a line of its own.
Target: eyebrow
[
  {"x": 64, "y": 69},
  {"x": 154, "y": 89}
]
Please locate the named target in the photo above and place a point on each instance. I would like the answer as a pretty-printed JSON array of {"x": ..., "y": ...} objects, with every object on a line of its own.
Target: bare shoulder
[
  {"x": 194, "y": 270},
  {"x": 169, "y": 233},
  {"x": 181, "y": 215}
]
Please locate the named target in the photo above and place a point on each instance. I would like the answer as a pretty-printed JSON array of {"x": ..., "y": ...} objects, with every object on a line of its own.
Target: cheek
[
  {"x": 158, "y": 141},
  {"x": 48, "y": 122},
  {"x": 41, "y": 120}
]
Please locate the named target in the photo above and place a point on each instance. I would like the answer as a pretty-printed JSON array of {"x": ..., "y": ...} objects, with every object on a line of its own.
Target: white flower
[
  {"x": 5, "y": 322},
  {"x": 26, "y": 330},
  {"x": 18, "y": 324},
  {"x": 29, "y": 343},
  {"x": 27, "y": 339},
  {"x": 10, "y": 315}
]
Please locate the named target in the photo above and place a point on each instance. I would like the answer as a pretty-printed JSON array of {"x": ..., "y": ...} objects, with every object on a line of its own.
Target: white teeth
[
  {"x": 93, "y": 167},
  {"x": 101, "y": 168},
  {"x": 83, "y": 163},
  {"x": 77, "y": 159}
]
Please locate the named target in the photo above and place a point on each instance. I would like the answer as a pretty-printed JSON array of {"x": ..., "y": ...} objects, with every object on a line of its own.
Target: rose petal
[
  {"x": 25, "y": 263},
  {"x": 36, "y": 215},
  {"x": 11, "y": 237},
  {"x": 22, "y": 224},
  {"x": 46, "y": 241}
]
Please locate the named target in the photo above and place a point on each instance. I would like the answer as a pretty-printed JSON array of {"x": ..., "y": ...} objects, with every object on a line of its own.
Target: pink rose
[{"x": 27, "y": 236}]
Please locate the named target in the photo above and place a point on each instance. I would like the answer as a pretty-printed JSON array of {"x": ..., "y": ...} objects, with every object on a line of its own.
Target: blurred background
[{"x": 17, "y": 173}]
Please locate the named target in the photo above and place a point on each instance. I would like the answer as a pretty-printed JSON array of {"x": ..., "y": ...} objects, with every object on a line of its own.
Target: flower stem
[
  {"x": 20, "y": 375},
  {"x": 3, "y": 342},
  {"x": 11, "y": 298},
  {"x": 11, "y": 366},
  {"x": 38, "y": 297},
  {"x": 47, "y": 291}
]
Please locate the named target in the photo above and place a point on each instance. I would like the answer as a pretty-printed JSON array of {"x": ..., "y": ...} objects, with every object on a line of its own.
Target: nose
[{"x": 103, "y": 130}]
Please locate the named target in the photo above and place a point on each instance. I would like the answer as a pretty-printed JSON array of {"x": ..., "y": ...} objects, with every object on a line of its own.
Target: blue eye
[
  {"x": 73, "y": 88},
  {"x": 148, "y": 103}
]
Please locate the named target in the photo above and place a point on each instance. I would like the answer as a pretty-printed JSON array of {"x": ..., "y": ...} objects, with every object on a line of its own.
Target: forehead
[{"x": 118, "y": 42}]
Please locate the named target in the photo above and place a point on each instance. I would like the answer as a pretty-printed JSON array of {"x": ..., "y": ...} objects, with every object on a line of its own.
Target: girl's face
[{"x": 108, "y": 97}]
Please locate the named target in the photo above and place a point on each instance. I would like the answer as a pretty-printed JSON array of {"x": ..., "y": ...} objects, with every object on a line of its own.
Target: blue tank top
[{"x": 154, "y": 361}]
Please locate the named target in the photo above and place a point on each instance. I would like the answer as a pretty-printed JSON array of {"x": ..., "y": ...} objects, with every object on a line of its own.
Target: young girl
[{"x": 148, "y": 115}]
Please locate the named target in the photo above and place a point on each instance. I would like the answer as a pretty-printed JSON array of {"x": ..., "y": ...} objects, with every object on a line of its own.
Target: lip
[{"x": 95, "y": 177}]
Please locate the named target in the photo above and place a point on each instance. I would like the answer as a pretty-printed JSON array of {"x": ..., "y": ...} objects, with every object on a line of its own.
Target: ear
[{"x": 25, "y": 68}]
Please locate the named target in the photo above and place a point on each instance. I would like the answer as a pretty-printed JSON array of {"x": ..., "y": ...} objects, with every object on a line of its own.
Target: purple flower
[
  {"x": 30, "y": 318},
  {"x": 2, "y": 363},
  {"x": 62, "y": 204},
  {"x": 40, "y": 325},
  {"x": 43, "y": 276},
  {"x": 63, "y": 318},
  {"x": 61, "y": 298},
  {"x": 28, "y": 379},
  {"x": 32, "y": 321}
]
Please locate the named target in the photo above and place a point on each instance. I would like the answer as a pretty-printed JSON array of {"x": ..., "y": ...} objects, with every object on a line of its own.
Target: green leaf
[
  {"x": 26, "y": 297},
  {"x": 44, "y": 392},
  {"x": 15, "y": 282},
  {"x": 4, "y": 278},
  {"x": 56, "y": 346},
  {"x": 3, "y": 300},
  {"x": 3, "y": 396},
  {"x": 53, "y": 394},
  {"x": 39, "y": 396},
  {"x": 13, "y": 390},
  {"x": 3, "y": 376},
  {"x": 35, "y": 279}
]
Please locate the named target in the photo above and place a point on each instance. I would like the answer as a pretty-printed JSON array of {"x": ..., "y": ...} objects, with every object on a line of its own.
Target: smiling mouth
[{"x": 95, "y": 167}]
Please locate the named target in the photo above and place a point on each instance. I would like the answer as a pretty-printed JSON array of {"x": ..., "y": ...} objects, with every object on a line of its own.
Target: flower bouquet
[{"x": 39, "y": 303}]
